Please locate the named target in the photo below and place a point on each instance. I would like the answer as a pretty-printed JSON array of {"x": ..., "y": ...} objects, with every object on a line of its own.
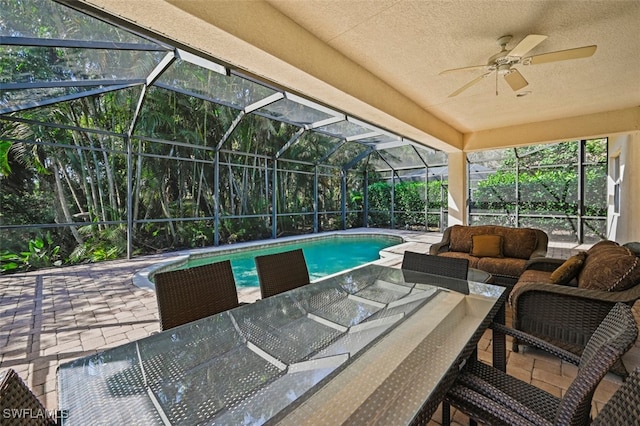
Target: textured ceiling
[
  {"x": 408, "y": 43},
  {"x": 380, "y": 60}
]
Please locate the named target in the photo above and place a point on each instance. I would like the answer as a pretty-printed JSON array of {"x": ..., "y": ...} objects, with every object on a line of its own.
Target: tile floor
[{"x": 52, "y": 316}]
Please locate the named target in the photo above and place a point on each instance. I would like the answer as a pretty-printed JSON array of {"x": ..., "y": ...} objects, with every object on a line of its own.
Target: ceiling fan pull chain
[{"x": 496, "y": 83}]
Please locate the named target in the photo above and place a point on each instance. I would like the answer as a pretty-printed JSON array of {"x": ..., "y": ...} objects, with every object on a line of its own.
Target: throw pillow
[
  {"x": 601, "y": 245},
  {"x": 488, "y": 245},
  {"x": 610, "y": 269},
  {"x": 569, "y": 269}
]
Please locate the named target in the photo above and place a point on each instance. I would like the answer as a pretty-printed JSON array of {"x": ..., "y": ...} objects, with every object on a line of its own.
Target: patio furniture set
[
  {"x": 336, "y": 350},
  {"x": 309, "y": 350},
  {"x": 564, "y": 301},
  {"x": 561, "y": 301}
]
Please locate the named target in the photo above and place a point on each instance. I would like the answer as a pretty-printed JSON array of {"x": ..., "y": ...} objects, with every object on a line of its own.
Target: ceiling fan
[{"x": 502, "y": 62}]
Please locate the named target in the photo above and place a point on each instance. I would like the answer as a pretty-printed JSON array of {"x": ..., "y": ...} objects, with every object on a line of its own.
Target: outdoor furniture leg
[
  {"x": 446, "y": 414},
  {"x": 500, "y": 342}
]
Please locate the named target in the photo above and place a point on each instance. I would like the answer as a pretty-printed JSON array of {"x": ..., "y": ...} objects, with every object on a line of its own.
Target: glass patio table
[{"x": 371, "y": 345}]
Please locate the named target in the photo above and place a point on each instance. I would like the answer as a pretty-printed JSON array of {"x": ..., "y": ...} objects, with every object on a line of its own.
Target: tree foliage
[
  {"x": 410, "y": 203},
  {"x": 60, "y": 175},
  {"x": 544, "y": 180},
  {"x": 84, "y": 168}
]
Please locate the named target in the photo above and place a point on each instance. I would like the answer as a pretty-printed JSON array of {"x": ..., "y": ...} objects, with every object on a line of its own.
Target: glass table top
[{"x": 269, "y": 360}]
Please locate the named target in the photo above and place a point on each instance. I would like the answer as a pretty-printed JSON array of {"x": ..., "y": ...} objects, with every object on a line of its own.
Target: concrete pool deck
[{"x": 49, "y": 317}]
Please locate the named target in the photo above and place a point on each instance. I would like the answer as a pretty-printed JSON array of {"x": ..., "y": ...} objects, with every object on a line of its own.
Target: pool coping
[{"x": 142, "y": 278}]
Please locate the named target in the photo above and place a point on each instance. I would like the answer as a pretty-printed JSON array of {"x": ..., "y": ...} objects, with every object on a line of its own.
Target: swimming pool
[{"x": 325, "y": 255}]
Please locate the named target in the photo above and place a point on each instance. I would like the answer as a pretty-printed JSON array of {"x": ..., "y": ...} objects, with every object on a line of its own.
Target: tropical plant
[{"x": 41, "y": 253}]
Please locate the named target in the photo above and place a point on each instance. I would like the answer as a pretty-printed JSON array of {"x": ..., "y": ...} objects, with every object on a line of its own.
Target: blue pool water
[{"x": 324, "y": 256}]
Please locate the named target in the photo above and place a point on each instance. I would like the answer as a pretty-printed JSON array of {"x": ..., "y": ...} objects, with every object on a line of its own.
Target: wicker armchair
[
  {"x": 187, "y": 295},
  {"x": 492, "y": 397},
  {"x": 438, "y": 265},
  {"x": 623, "y": 408},
  {"x": 16, "y": 395},
  {"x": 563, "y": 315},
  {"x": 281, "y": 272}
]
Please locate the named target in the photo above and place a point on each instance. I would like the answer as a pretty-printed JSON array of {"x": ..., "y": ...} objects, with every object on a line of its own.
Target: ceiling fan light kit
[{"x": 502, "y": 63}]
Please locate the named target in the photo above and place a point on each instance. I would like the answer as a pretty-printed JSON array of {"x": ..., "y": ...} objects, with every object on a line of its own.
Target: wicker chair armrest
[
  {"x": 548, "y": 264},
  {"x": 541, "y": 245},
  {"x": 538, "y": 253},
  {"x": 470, "y": 399},
  {"x": 608, "y": 297},
  {"x": 539, "y": 343},
  {"x": 443, "y": 245},
  {"x": 440, "y": 247}
]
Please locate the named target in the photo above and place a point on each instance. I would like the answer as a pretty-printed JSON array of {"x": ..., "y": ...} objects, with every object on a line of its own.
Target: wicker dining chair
[
  {"x": 187, "y": 295},
  {"x": 490, "y": 396},
  {"x": 623, "y": 408},
  {"x": 281, "y": 272},
  {"x": 437, "y": 265},
  {"x": 16, "y": 395}
]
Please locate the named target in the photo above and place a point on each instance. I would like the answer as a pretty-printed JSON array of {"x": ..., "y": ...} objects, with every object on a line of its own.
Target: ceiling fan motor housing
[
  {"x": 503, "y": 69},
  {"x": 504, "y": 40},
  {"x": 501, "y": 62}
]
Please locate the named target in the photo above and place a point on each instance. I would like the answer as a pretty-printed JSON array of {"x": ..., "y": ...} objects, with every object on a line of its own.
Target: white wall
[
  {"x": 625, "y": 226},
  {"x": 457, "y": 189}
]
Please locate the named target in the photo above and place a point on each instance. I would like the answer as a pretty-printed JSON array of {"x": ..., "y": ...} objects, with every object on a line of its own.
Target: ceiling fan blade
[
  {"x": 471, "y": 68},
  {"x": 527, "y": 43},
  {"x": 469, "y": 84},
  {"x": 561, "y": 55},
  {"x": 515, "y": 80}
]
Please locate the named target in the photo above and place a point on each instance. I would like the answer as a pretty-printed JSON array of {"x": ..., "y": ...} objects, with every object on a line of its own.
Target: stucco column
[
  {"x": 623, "y": 226},
  {"x": 457, "y": 189}
]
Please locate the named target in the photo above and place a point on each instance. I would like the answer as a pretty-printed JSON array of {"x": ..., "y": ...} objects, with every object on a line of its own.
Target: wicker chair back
[
  {"x": 491, "y": 396},
  {"x": 613, "y": 337},
  {"x": 623, "y": 408},
  {"x": 437, "y": 265},
  {"x": 187, "y": 295},
  {"x": 281, "y": 272},
  {"x": 16, "y": 395}
]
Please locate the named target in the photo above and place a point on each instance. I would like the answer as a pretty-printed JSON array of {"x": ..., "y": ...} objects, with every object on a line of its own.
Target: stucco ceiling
[
  {"x": 381, "y": 59},
  {"x": 408, "y": 43}
]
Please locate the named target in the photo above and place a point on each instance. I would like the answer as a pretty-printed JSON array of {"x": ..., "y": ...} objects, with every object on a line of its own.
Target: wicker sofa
[
  {"x": 564, "y": 300},
  {"x": 515, "y": 246}
]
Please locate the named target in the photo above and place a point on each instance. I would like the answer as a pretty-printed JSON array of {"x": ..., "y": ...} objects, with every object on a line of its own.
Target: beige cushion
[
  {"x": 569, "y": 269},
  {"x": 533, "y": 276},
  {"x": 507, "y": 266},
  {"x": 528, "y": 277},
  {"x": 489, "y": 245}
]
